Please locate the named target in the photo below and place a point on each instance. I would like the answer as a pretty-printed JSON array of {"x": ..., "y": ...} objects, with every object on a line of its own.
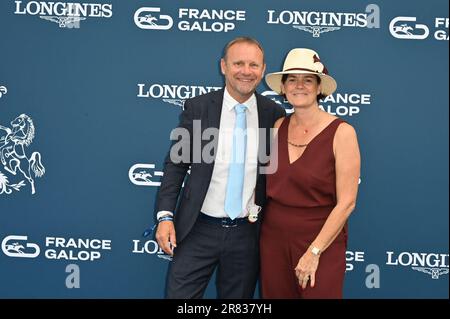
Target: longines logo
[
  {"x": 66, "y": 15},
  {"x": 3, "y": 90},
  {"x": 57, "y": 248},
  {"x": 317, "y": 23},
  {"x": 150, "y": 247},
  {"x": 406, "y": 28},
  {"x": 173, "y": 94},
  {"x": 190, "y": 19},
  {"x": 341, "y": 104},
  {"x": 13, "y": 158},
  {"x": 432, "y": 264}
]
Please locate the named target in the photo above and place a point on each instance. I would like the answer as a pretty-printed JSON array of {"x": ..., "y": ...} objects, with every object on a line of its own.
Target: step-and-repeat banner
[{"x": 90, "y": 90}]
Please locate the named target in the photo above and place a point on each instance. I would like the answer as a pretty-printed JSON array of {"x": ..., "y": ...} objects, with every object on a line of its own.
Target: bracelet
[
  {"x": 163, "y": 213},
  {"x": 314, "y": 250},
  {"x": 164, "y": 218}
]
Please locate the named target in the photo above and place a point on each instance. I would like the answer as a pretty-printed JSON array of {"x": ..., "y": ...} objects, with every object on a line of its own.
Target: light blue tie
[{"x": 235, "y": 185}]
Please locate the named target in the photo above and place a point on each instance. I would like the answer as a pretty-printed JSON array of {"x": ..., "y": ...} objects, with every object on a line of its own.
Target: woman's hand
[{"x": 306, "y": 269}]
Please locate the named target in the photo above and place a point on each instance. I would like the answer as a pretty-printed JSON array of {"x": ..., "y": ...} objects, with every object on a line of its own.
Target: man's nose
[{"x": 246, "y": 69}]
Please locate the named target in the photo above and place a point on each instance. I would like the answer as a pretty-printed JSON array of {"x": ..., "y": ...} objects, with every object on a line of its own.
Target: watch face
[{"x": 315, "y": 250}]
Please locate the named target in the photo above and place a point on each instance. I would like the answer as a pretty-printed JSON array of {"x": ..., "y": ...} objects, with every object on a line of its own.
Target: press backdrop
[{"x": 89, "y": 92}]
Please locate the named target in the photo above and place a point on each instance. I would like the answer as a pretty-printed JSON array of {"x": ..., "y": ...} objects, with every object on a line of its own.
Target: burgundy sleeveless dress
[{"x": 301, "y": 195}]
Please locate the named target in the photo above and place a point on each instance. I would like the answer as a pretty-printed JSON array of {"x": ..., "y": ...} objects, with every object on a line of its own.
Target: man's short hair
[{"x": 241, "y": 40}]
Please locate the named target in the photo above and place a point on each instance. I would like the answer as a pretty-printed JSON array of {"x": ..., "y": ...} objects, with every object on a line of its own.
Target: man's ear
[{"x": 222, "y": 65}]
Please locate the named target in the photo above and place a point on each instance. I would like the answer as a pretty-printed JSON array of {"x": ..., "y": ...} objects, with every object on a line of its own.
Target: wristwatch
[{"x": 316, "y": 251}]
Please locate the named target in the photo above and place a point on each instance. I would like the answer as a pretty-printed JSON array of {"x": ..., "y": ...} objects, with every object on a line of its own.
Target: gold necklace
[
  {"x": 305, "y": 131},
  {"x": 297, "y": 145}
]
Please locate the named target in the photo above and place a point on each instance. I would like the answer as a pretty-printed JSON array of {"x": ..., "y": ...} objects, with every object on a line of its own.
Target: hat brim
[{"x": 327, "y": 83}]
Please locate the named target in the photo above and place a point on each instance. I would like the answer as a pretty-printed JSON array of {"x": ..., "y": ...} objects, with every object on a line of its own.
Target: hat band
[{"x": 309, "y": 70}]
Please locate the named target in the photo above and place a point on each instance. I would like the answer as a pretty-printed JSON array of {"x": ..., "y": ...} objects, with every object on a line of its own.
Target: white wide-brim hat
[{"x": 303, "y": 61}]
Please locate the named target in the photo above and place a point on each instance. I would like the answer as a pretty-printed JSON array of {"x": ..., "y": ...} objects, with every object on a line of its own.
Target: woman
[{"x": 313, "y": 191}]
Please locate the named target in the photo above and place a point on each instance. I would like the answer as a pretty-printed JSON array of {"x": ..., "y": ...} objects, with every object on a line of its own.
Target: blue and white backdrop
[{"x": 89, "y": 92}]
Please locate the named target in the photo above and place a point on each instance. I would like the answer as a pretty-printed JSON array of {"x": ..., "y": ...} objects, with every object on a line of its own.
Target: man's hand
[{"x": 165, "y": 235}]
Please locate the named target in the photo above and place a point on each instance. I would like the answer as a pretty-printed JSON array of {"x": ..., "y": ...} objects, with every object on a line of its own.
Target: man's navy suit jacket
[{"x": 206, "y": 108}]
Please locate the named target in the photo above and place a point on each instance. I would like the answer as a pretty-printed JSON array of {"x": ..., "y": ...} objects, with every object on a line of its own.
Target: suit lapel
[
  {"x": 214, "y": 110},
  {"x": 262, "y": 123},
  {"x": 213, "y": 115}
]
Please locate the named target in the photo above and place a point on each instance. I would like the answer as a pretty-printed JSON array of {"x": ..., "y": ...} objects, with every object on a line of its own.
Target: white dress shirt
[{"x": 215, "y": 197}]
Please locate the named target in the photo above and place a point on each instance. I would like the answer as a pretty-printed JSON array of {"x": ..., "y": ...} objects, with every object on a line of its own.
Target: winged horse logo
[
  {"x": 176, "y": 102},
  {"x": 64, "y": 22},
  {"x": 434, "y": 272},
  {"x": 316, "y": 31}
]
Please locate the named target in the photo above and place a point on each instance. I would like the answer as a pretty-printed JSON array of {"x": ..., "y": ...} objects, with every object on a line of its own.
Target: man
[{"x": 211, "y": 227}]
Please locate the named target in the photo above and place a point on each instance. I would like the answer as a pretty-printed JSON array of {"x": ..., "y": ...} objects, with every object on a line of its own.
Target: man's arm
[{"x": 175, "y": 169}]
